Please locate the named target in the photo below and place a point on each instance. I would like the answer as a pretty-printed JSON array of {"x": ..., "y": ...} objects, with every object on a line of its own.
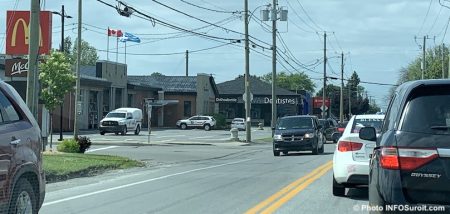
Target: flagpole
[
  {"x": 107, "y": 47},
  {"x": 117, "y": 52},
  {"x": 125, "y": 52}
]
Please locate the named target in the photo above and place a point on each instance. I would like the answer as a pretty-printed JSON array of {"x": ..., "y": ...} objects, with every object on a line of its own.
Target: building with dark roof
[
  {"x": 231, "y": 103},
  {"x": 180, "y": 96}
]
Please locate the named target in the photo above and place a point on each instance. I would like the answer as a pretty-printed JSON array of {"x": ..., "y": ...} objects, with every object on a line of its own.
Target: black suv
[
  {"x": 22, "y": 181},
  {"x": 298, "y": 133},
  {"x": 410, "y": 164}
]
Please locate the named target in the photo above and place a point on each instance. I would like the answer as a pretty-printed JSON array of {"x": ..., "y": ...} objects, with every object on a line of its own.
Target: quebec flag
[{"x": 128, "y": 37}]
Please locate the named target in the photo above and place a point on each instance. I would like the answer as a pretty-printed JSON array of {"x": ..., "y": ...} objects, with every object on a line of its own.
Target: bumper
[
  {"x": 238, "y": 126},
  {"x": 111, "y": 128},
  {"x": 303, "y": 145},
  {"x": 348, "y": 171}
]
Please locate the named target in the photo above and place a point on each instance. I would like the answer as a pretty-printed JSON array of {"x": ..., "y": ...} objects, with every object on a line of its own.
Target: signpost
[{"x": 149, "y": 119}]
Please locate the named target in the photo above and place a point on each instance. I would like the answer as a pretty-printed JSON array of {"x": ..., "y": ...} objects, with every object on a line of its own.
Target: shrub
[
  {"x": 69, "y": 146},
  {"x": 84, "y": 144},
  {"x": 220, "y": 121}
]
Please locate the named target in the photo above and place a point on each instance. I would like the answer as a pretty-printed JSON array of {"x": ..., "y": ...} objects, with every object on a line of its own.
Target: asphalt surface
[
  {"x": 169, "y": 136},
  {"x": 207, "y": 179}
]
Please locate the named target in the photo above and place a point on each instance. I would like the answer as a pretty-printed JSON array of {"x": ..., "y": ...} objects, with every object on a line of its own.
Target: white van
[{"x": 122, "y": 120}]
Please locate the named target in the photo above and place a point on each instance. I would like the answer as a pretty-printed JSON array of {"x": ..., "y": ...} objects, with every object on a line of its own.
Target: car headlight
[
  {"x": 309, "y": 135},
  {"x": 277, "y": 137},
  {"x": 121, "y": 123}
]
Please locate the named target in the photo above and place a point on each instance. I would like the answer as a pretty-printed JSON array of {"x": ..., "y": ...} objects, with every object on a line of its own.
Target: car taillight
[
  {"x": 407, "y": 159},
  {"x": 348, "y": 146},
  {"x": 340, "y": 129}
]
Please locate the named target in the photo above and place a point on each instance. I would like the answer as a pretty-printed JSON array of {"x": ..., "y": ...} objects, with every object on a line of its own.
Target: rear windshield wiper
[{"x": 440, "y": 127}]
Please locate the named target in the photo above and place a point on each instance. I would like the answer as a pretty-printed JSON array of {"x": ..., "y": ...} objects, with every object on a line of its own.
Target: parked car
[
  {"x": 410, "y": 164},
  {"x": 23, "y": 179},
  {"x": 351, "y": 157},
  {"x": 238, "y": 123},
  {"x": 329, "y": 127},
  {"x": 205, "y": 122},
  {"x": 298, "y": 133},
  {"x": 121, "y": 121}
]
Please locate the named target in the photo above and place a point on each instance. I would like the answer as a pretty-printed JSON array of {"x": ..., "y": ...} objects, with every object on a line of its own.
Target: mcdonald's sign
[{"x": 18, "y": 32}]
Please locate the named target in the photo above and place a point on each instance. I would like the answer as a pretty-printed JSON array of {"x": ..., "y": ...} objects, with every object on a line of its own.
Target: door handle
[{"x": 14, "y": 141}]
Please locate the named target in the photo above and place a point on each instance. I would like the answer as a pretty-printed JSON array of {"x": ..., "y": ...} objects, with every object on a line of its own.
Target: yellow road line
[
  {"x": 272, "y": 208},
  {"x": 288, "y": 188}
]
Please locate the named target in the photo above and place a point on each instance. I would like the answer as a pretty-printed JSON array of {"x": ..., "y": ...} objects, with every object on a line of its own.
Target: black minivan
[
  {"x": 410, "y": 165},
  {"x": 298, "y": 133}
]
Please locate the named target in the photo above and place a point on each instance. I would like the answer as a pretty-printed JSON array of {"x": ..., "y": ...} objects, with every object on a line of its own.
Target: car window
[
  {"x": 359, "y": 123},
  {"x": 8, "y": 113},
  {"x": 129, "y": 115},
  {"x": 295, "y": 123},
  {"x": 194, "y": 118},
  {"x": 428, "y": 111},
  {"x": 387, "y": 117},
  {"x": 116, "y": 115}
]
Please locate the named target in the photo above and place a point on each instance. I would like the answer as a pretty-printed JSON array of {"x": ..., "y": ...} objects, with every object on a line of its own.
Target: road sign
[
  {"x": 324, "y": 107},
  {"x": 244, "y": 97}
]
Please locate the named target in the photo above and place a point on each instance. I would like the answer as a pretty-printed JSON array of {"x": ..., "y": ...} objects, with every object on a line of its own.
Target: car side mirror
[
  {"x": 368, "y": 133},
  {"x": 129, "y": 118},
  {"x": 273, "y": 128}
]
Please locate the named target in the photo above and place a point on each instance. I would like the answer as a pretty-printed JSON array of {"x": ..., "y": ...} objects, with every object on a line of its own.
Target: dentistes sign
[{"x": 18, "y": 32}]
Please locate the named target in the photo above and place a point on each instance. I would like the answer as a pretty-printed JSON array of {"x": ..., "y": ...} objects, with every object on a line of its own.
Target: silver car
[{"x": 238, "y": 123}]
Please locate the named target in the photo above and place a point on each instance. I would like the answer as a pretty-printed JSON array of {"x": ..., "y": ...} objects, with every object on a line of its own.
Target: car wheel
[
  {"x": 276, "y": 153},
  {"x": 138, "y": 129},
  {"x": 183, "y": 126},
  {"x": 285, "y": 153},
  {"x": 315, "y": 151},
  {"x": 102, "y": 133},
  {"x": 207, "y": 127},
  {"x": 124, "y": 131},
  {"x": 322, "y": 149},
  {"x": 23, "y": 199},
  {"x": 338, "y": 189}
]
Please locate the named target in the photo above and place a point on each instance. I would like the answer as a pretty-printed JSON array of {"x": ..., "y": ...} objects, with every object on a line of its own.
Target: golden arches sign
[{"x": 26, "y": 31}]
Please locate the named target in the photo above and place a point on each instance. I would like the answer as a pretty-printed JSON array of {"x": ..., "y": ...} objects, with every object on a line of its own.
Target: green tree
[
  {"x": 293, "y": 82},
  {"x": 156, "y": 74},
  {"x": 373, "y": 108},
  {"x": 89, "y": 54},
  {"x": 56, "y": 80}
]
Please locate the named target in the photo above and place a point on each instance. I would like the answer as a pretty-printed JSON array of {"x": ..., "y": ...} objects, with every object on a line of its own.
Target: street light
[{"x": 63, "y": 15}]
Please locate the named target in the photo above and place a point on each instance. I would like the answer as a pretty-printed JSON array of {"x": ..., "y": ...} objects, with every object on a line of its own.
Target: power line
[
  {"x": 426, "y": 16},
  {"x": 201, "y": 20},
  {"x": 435, "y": 20},
  {"x": 309, "y": 17},
  {"x": 301, "y": 19},
  {"x": 445, "y": 32},
  {"x": 213, "y": 10}
]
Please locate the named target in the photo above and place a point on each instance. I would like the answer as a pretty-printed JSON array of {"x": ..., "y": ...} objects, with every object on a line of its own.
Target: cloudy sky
[{"x": 377, "y": 37}]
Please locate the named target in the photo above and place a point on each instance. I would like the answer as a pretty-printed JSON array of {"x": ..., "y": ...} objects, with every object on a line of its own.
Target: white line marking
[
  {"x": 93, "y": 150},
  {"x": 141, "y": 182},
  {"x": 163, "y": 141},
  {"x": 171, "y": 136},
  {"x": 202, "y": 137}
]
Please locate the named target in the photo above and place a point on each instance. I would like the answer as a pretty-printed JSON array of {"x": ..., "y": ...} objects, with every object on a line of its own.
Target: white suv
[{"x": 206, "y": 122}]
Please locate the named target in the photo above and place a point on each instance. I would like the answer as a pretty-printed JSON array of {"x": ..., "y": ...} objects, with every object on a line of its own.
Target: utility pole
[
  {"x": 274, "y": 64},
  {"x": 33, "y": 49},
  {"x": 443, "y": 58},
  {"x": 349, "y": 99},
  {"x": 78, "y": 104},
  {"x": 187, "y": 63},
  {"x": 324, "y": 113},
  {"x": 247, "y": 78},
  {"x": 341, "y": 101},
  {"x": 63, "y": 16},
  {"x": 423, "y": 56}
]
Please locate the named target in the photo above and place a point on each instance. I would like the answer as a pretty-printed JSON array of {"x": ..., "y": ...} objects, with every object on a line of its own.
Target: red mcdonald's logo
[{"x": 18, "y": 32}]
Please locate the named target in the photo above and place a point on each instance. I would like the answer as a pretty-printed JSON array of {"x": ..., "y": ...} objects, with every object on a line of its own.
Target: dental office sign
[{"x": 18, "y": 32}]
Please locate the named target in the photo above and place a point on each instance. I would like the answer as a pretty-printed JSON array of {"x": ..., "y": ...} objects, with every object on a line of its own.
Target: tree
[
  {"x": 88, "y": 53},
  {"x": 57, "y": 79},
  {"x": 373, "y": 108},
  {"x": 433, "y": 59},
  {"x": 156, "y": 74},
  {"x": 293, "y": 82}
]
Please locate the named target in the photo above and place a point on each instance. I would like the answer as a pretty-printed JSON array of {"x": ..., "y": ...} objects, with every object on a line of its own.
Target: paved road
[
  {"x": 207, "y": 179},
  {"x": 171, "y": 136}
]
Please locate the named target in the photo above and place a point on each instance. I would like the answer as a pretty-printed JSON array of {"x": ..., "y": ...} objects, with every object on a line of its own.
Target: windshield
[
  {"x": 295, "y": 123},
  {"x": 238, "y": 121},
  {"x": 116, "y": 115},
  {"x": 358, "y": 124}
]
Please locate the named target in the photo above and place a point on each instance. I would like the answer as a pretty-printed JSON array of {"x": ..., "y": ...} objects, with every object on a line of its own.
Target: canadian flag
[{"x": 115, "y": 33}]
